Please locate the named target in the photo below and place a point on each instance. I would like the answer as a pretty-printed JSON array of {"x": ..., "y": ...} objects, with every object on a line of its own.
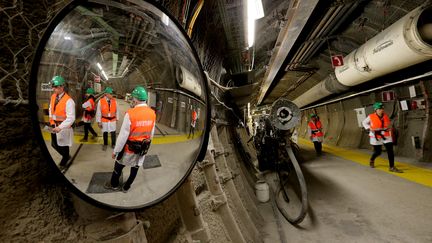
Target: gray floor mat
[
  {"x": 98, "y": 180},
  {"x": 151, "y": 161}
]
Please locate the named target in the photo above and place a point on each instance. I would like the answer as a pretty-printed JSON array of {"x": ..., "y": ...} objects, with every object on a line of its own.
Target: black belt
[{"x": 109, "y": 118}]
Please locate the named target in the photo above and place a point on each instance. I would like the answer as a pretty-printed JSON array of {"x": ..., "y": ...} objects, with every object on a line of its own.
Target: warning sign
[
  {"x": 388, "y": 96},
  {"x": 97, "y": 79}
]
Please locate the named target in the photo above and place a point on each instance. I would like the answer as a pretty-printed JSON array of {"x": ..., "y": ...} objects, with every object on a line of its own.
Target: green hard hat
[
  {"x": 90, "y": 91},
  {"x": 378, "y": 105},
  {"x": 57, "y": 81},
  {"x": 108, "y": 90},
  {"x": 313, "y": 115},
  {"x": 139, "y": 93}
]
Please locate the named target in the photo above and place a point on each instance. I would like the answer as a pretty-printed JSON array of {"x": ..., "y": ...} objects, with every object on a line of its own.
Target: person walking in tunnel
[
  {"x": 89, "y": 113},
  {"x": 315, "y": 133},
  {"x": 61, "y": 118},
  {"x": 134, "y": 139},
  {"x": 106, "y": 117},
  {"x": 378, "y": 124},
  {"x": 193, "y": 123}
]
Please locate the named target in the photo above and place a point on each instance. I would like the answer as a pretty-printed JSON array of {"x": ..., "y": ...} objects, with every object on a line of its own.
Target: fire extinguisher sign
[{"x": 388, "y": 96}]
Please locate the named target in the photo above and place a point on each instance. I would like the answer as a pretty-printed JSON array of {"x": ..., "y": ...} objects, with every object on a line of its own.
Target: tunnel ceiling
[{"x": 351, "y": 23}]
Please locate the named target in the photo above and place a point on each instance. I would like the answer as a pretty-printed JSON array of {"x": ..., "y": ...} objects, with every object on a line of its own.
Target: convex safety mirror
[{"x": 119, "y": 101}]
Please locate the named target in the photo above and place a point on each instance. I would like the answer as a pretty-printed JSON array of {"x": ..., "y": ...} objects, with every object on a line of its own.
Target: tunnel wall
[{"x": 341, "y": 125}]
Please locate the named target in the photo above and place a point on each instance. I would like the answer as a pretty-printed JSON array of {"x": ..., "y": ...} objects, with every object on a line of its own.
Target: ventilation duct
[{"x": 405, "y": 43}]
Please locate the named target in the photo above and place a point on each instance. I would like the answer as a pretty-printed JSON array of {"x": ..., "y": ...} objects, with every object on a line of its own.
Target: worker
[
  {"x": 134, "y": 140},
  {"x": 89, "y": 107},
  {"x": 61, "y": 118},
  {"x": 106, "y": 116},
  {"x": 315, "y": 132},
  {"x": 193, "y": 123},
  {"x": 378, "y": 124}
]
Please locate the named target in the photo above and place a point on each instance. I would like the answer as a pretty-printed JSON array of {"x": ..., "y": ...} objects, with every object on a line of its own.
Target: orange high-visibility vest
[
  {"x": 142, "y": 120},
  {"x": 377, "y": 123},
  {"x": 58, "y": 112},
  {"x": 194, "y": 115},
  {"x": 316, "y": 128},
  {"x": 108, "y": 111},
  {"x": 91, "y": 108}
]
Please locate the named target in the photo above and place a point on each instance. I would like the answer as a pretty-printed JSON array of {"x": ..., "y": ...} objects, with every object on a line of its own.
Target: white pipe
[{"x": 403, "y": 44}]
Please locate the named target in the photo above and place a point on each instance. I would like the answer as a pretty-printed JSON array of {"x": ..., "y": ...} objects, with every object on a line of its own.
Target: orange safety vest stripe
[
  {"x": 379, "y": 123},
  {"x": 315, "y": 127},
  {"x": 108, "y": 111},
  {"x": 142, "y": 120},
  {"x": 59, "y": 113}
]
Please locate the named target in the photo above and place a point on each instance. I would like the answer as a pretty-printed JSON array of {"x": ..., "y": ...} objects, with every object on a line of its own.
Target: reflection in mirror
[{"x": 103, "y": 58}]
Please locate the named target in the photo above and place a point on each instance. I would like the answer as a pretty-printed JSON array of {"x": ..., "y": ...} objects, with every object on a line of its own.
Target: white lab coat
[
  {"x": 109, "y": 126},
  {"x": 65, "y": 136},
  {"x": 84, "y": 106},
  {"x": 128, "y": 159},
  {"x": 373, "y": 141}
]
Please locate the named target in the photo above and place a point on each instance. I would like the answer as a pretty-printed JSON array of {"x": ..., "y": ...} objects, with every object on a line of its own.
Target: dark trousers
[
  {"x": 87, "y": 128},
  {"x": 62, "y": 150},
  {"x": 117, "y": 173},
  {"x": 318, "y": 147},
  {"x": 113, "y": 138},
  {"x": 390, "y": 153},
  {"x": 191, "y": 131}
]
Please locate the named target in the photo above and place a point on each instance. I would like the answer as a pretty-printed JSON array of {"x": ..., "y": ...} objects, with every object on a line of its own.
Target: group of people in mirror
[
  {"x": 378, "y": 125},
  {"x": 134, "y": 138}
]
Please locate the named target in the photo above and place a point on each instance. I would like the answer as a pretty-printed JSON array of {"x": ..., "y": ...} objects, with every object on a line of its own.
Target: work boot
[
  {"x": 94, "y": 137},
  {"x": 125, "y": 188},
  {"x": 108, "y": 186},
  {"x": 372, "y": 164},
  {"x": 83, "y": 140},
  {"x": 104, "y": 147},
  {"x": 394, "y": 169}
]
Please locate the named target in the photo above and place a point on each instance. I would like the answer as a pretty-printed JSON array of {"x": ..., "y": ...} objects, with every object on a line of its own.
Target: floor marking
[{"x": 412, "y": 173}]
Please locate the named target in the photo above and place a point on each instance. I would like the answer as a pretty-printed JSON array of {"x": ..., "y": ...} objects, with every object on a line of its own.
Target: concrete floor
[{"x": 349, "y": 202}]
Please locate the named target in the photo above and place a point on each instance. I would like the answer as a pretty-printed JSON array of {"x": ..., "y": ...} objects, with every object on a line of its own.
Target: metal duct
[{"x": 405, "y": 43}]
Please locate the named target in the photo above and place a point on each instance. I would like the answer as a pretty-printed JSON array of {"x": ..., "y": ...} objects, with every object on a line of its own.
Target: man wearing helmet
[
  {"x": 61, "y": 117},
  {"x": 106, "y": 116},
  {"x": 315, "y": 133},
  {"x": 378, "y": 124},
  {"x": 134, "y": 139},
  {"x": 89, "y": 112}
]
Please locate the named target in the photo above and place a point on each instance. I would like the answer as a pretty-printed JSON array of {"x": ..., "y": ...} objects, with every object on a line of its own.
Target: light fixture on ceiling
[
  {"x": 66, "y": 37},
  {"x": 254, "y": 11},
  {"x": 104, "y": 74},
  {"x": 99, "y": 66}
]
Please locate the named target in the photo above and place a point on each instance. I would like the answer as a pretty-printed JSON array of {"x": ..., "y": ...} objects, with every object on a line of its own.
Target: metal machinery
[{"x": 276, "y": 151}]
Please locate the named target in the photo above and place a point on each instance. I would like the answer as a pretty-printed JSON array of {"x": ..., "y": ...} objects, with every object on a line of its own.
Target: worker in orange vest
[
  {"x": 378, "y": 124},
  {"x": 193, "y": 123},
  {"x": 61, "y": 117},
  {"x": 315, "y": 133},
  {"x": 89, "y": 107},
  {"x": 107, "y": 115},
  {"x": 134, "y": 140}
]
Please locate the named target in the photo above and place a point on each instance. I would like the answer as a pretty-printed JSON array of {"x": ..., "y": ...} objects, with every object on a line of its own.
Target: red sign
[
  {"x": 388, "y": 96},
  {"x": 337, "y": 60},
  {"x": 97, "y": 79}
]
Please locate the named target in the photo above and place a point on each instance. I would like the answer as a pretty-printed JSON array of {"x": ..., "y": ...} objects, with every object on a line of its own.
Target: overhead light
[
  {"x": 67, "y": 37},
  {"x": 165, "y": 19},
  {"x": 99, "y": 66},
  {"x": 254, "y": 11},
  {"x": 104, "y": 74}
]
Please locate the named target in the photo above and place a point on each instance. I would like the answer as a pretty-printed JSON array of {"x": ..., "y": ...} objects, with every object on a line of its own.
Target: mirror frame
[{"x": 34, "y": 108}]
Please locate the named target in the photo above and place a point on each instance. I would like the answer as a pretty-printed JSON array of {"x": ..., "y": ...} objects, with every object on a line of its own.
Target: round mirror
[{"x": 119, "y": 101}]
